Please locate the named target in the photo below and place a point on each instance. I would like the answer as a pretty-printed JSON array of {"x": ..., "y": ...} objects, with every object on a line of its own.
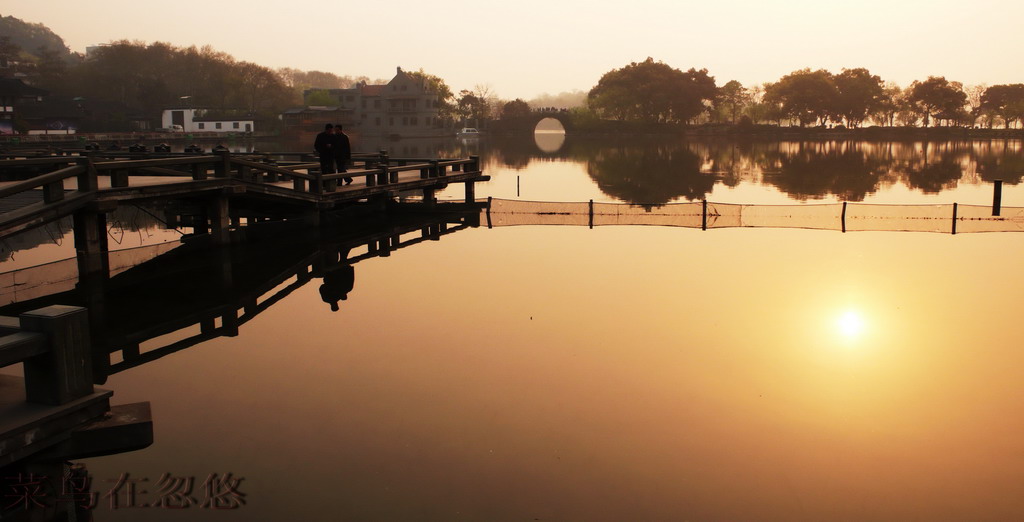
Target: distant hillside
[{"x": 30, "y": 37}]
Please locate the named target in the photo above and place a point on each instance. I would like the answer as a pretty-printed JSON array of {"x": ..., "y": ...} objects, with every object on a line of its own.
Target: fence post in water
[
  {"x": 997, "y": 197},
  {"x": 591, "y": 213},
  {"x": 843, "y": 217},
  {"x": 954, "y": 218},
  {"x": 704, "y": 215},
  {"x": 489, "y": 212}
]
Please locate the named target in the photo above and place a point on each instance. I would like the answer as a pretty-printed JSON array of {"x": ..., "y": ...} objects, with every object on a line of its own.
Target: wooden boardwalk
[{"x": 63, "y": 185}]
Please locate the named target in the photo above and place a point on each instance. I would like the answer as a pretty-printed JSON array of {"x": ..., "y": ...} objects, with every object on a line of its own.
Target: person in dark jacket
[
  {"x": 324, "y": 146},
  {"x": 342, "y": 151}
]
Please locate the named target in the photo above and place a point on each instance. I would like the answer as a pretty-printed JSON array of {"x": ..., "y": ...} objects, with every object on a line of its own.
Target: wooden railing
[{"x": 299, "y": 180}]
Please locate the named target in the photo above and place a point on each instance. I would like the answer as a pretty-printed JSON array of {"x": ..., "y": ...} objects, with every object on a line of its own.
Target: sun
[{"x": 850, "y": 324}]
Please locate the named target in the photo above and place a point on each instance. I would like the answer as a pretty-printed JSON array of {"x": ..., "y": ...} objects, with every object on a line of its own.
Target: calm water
[{"x": 626, "y": 373}]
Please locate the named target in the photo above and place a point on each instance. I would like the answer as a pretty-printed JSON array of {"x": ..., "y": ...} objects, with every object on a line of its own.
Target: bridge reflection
[{"x": 194, "y": 293}]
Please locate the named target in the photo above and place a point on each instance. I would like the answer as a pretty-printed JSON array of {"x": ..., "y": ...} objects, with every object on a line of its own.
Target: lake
[{"x": 616, "y": 372}]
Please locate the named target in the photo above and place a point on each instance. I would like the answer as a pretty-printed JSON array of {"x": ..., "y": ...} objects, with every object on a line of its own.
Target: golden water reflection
[{"x": 621, "y": 373}]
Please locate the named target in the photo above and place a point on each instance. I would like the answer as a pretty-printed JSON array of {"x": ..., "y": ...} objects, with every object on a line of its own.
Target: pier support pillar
[
  {"x": 220, "y": 221},
  {"x": 312, "y": 217},
  {"x": 91, "y": 247},
  {"x": 470, "y": 192},
  {"x": 428, "y": 197}
]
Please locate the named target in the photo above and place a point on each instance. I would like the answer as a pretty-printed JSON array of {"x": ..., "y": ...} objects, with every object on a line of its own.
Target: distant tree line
[
  {"x": 131, "y": 80},
  {"x": 654, "y": 92}
]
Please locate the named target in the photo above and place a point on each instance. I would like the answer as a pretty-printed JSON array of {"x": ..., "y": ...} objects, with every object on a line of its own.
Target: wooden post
[
  {"x": 198, "y": 171},
  {"x": 222, "y": 169},
  {"x": 87, "y": 181},
  {"x": 843, "y": 217},
  {"x": 383, "y": 176},
  {"x": 53, "y": 192},
  {"x": 997, "y": 197},
  {"x": 119, "y": 178},
  {"x": 704, "y": 215},
  {"x": 64, "y": 372},
  {"x": 470, "y": 192},
  {"x": 219, "y": 220},
  {"x": 591, "y": 205},
  {"x": 428, "y": 197},
  {"x": 316, "y": 185},
  {"x": 475, "y": 165},
  {"x": 954, "y": 218}
]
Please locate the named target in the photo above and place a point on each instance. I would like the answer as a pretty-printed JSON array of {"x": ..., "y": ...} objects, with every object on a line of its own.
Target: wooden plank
[{"x": 27, "y": 428}]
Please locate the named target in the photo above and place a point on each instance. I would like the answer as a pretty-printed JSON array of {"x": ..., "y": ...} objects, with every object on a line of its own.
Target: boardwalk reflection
[{"x": 191, "y": 295}]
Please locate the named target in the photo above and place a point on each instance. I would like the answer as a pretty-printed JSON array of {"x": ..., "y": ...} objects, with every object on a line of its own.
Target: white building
[{"x": 204, "y": 120}]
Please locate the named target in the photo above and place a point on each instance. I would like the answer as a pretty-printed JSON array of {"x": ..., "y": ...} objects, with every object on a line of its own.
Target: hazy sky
[{"x": 528, "y": 47}]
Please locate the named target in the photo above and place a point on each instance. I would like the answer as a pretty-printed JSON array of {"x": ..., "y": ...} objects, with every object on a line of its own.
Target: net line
[{"x": 845, "y": 217}]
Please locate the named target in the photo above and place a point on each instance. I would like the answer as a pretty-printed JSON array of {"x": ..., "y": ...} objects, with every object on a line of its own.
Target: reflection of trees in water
[
  {"x": 803, "y": 169},
  {"x": 932, "y": 178},
  {"x": 847, "y": 173},
  {"x": 1004, "y": 161},
  {"x": 654, "y": 175}
]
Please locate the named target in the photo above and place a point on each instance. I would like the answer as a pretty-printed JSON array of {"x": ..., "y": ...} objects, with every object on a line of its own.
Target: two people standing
[{"x": 334, "y": 149}]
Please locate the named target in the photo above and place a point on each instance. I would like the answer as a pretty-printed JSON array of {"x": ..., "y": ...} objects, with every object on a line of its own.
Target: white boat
[{"x": 468, "y": 132}]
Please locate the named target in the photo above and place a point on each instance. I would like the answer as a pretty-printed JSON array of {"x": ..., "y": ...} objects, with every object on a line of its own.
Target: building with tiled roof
[{"x": 405, "y": 107}]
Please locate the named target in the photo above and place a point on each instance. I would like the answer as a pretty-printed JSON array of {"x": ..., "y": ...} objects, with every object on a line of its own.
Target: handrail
[
  {"x": 16, "y": 347},
  {"x": 377, "y": 168},
  {"x": 135, "y": 164},
  {"x": 271, "y": 168},
  {"x": 46, "y": 179},
  {"x": 38, "y": 161}
]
